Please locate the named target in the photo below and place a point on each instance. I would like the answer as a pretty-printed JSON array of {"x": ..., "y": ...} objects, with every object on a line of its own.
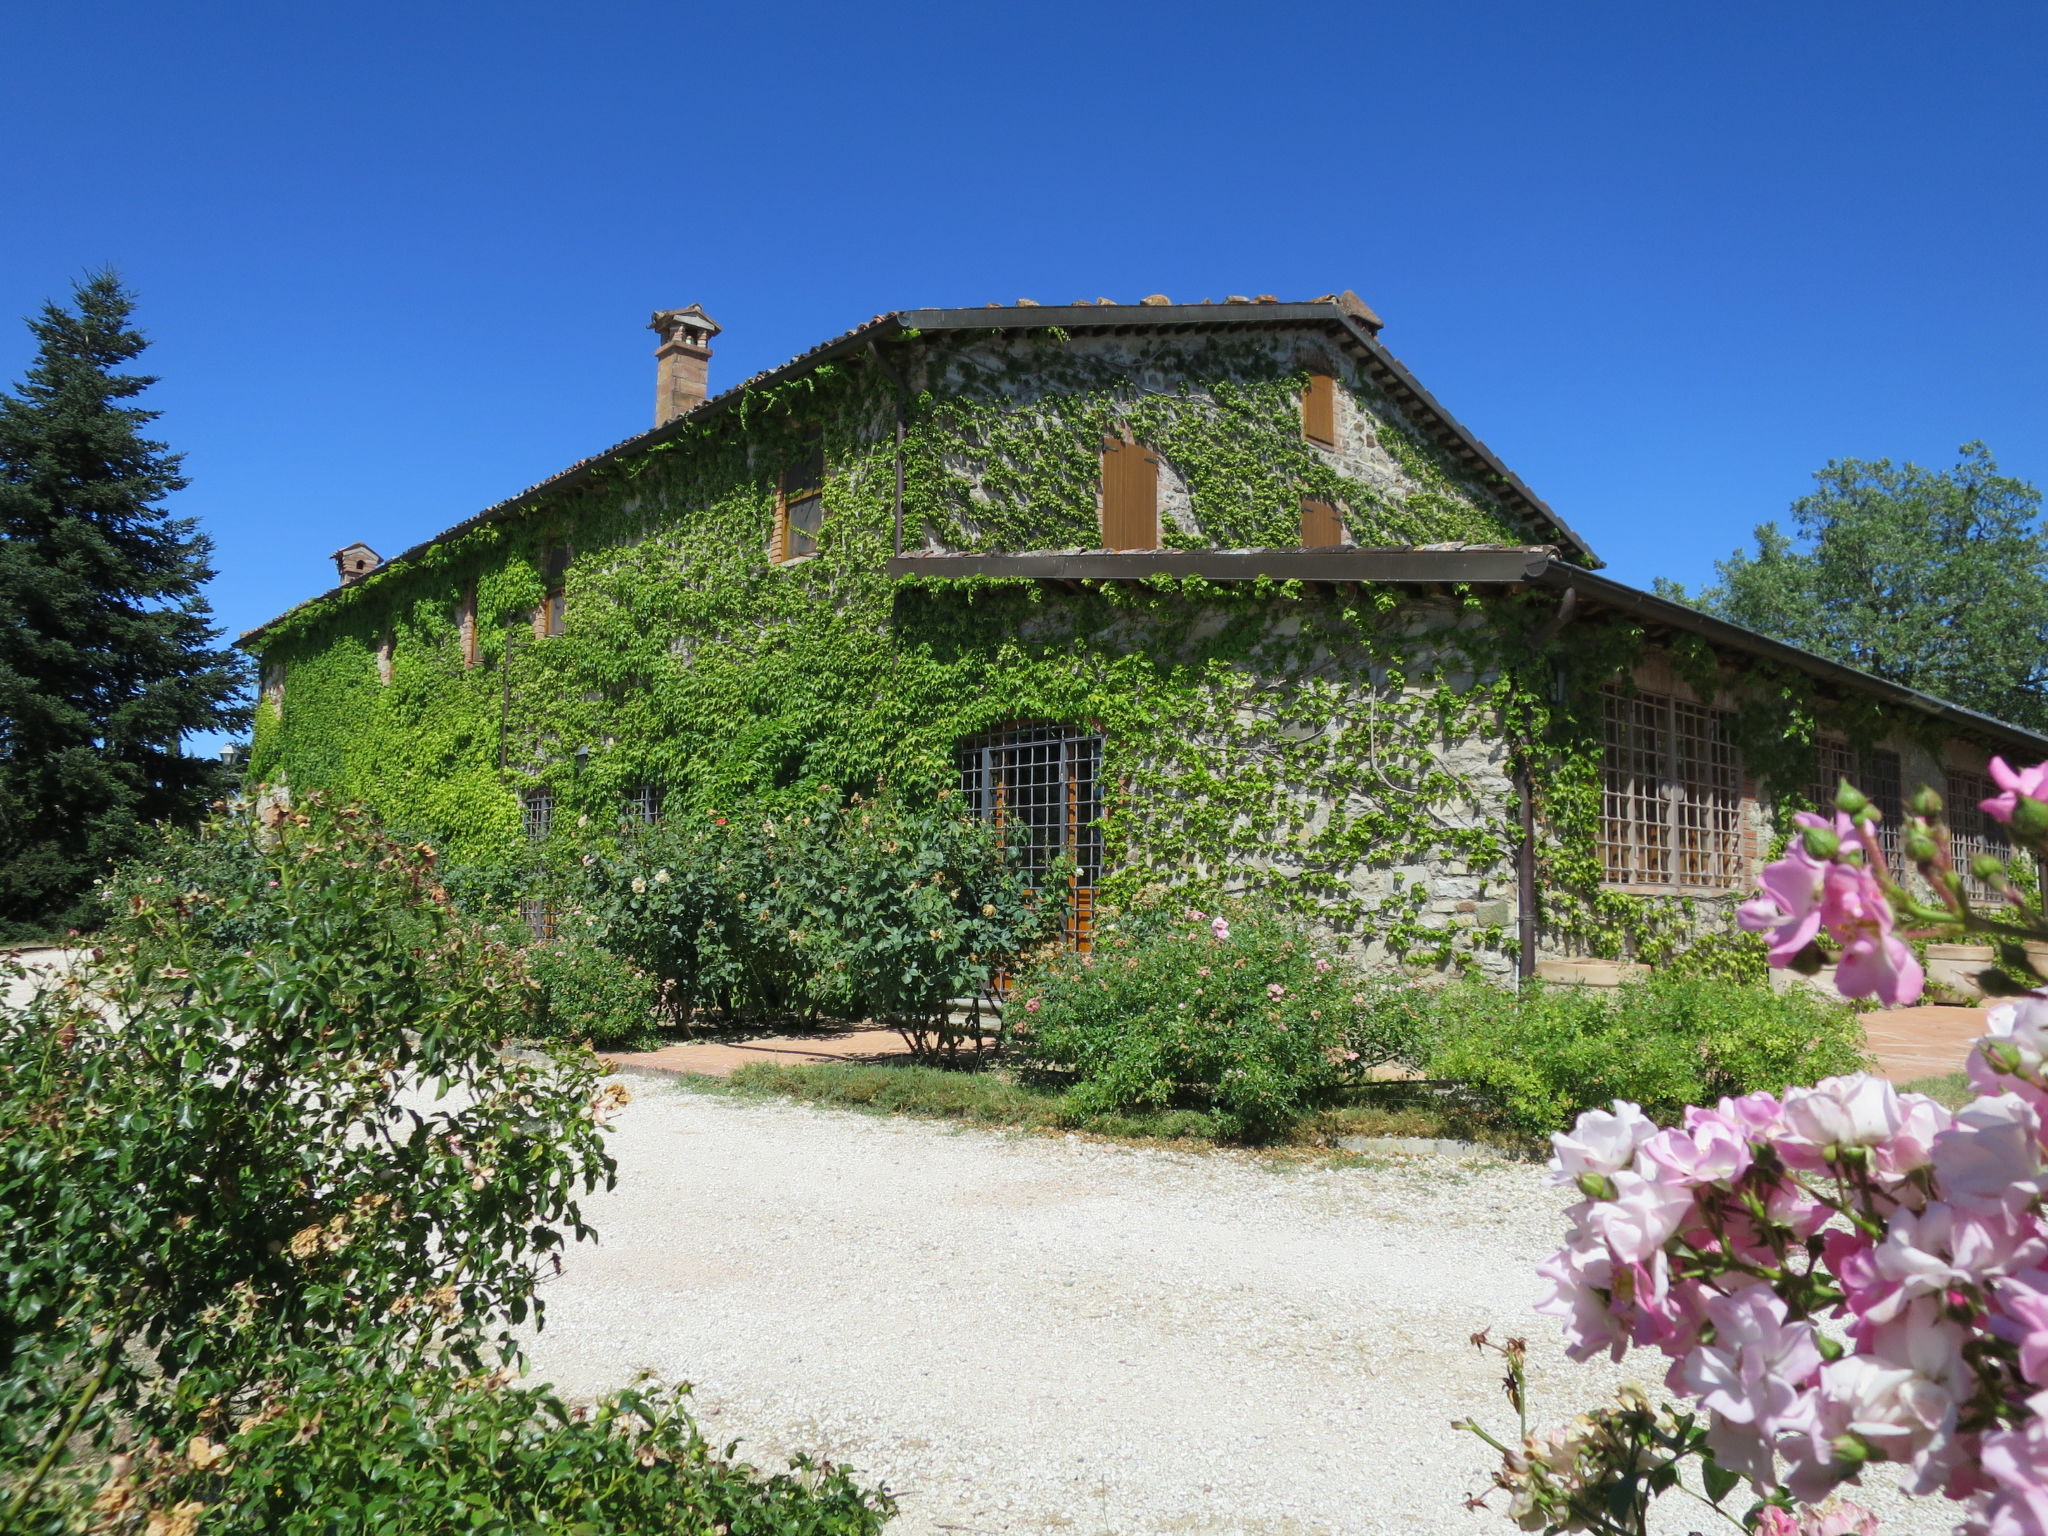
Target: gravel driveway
[{"x": 1032, "y": 1334}]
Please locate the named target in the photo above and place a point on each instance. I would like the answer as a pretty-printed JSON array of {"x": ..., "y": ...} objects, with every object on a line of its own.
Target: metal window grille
[
  {"x": 641, "y": 806},
  {"x": 1971, "y": 832},
  {"x": 1044, "y": 780},
  {"x": 537, "y": 815},
  {"x": 1832, "y": 763},
  {"x": 539, "y": 918},
  {"x": 1878, "y": 775},
  {"x": 1671, "y": 803},
  {"x": 1883, "y": 781}
]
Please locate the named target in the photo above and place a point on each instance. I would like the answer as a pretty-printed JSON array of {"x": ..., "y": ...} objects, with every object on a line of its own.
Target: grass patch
[
  {"x": 1951, "y": 1089},
  {"x": 996, "y": 1098}
]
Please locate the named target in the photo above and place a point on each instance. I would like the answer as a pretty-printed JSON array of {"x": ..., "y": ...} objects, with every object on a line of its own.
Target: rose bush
[{"x": 1842, "y": 1274}]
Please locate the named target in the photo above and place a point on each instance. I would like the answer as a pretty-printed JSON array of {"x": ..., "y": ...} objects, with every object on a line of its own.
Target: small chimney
[
  {"x": 355, "y": 561},
  {"x": 683, "y": 360}
]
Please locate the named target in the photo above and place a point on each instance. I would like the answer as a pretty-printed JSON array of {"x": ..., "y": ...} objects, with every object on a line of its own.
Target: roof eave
[{"x": 1470, "y": 566}]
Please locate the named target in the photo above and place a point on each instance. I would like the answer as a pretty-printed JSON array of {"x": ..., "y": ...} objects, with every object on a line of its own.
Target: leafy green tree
[
  {"x": 1934, "y": 579},
  {"x": 108, "y": 657}
]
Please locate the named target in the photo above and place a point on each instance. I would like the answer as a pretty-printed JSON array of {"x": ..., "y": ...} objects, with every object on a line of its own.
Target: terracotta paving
[
  {"x": 721, "y": 1058},
  {"x": 1921, "y": 1042}
]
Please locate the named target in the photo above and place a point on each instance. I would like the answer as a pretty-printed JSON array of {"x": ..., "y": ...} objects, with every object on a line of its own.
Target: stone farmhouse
[{"x": 1210, "y": 595}]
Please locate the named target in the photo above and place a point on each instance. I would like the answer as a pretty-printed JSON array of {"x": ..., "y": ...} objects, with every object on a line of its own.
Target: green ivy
[{"x": 1264, "y": 739}]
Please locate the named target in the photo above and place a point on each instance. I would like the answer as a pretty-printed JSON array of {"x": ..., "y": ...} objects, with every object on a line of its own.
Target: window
[
  {"x": 387, "y": 647},
  {"x": 1319, "y": 410},
  {"x": 273, "y": 684},
  {"x": 1877, "y": 774},
  {"x": 1321, "y": 527},
  {"x": 641, "y": 806},
  {"x": 537, "y": 815},
  {"x": 1971, "y": 832},
  {"x": 1130, "y": 496},
  {"x": 539, "y": 917},
  {"x": 800, "y": 504},
  {"x": 1046, "y": 781},
  {"x": 465, "y": 627},
  {"x": 1672, "y": 799},
  {"x": 553, "y": 615}
]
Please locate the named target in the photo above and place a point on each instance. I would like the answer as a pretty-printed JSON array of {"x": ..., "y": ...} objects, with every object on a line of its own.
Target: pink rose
[
  {"x": 1600, "y": 1143},
  {"x": 2030, "y": 782},
  {"x": 1221, "y": 929}
]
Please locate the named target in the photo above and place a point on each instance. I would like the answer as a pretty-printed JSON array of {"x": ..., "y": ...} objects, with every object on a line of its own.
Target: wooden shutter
[
  {"x": 1130, "y": 496},
  {"x": 1321, "y": 527},
  {"x": 1319, "y": 410}
]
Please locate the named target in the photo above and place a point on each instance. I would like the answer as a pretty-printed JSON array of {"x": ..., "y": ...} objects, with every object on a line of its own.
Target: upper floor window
[
  {"x": 273, "y": 683},
  {"x": 800, "y": 503},
  {"x": 1319, "y": 410},
  {"x": 1130, "y": 495},
  {"x": 1671, "y": 801},
  {"x": 1045, "y": 781},
  {"x": 387, "y": 651},
  {"x": 537, "y": 814},
  {"x": 1321, "y": 527},
  {"x": 465, "y": 627},
  {"x": 553, "y": 615}
]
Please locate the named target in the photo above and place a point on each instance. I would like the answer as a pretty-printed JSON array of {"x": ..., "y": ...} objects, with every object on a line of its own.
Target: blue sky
[{"x": 1666, "y": 259}]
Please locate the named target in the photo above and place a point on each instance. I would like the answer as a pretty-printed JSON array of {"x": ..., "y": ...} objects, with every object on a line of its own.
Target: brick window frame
[
  {"x": 1671, "y": 795},
  {"x": 800, "y": 504}
]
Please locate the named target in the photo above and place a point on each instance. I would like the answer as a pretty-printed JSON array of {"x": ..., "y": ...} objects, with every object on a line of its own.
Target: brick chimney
[
  {"x": 352, "y": 562},
  {"x": 683, "y": 360}
]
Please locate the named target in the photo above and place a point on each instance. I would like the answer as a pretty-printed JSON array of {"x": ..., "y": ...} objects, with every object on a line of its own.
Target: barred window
[
  {"x": 641, "y": 806},
  {"x": 1671, "y": 811},
  {"x": 1971, "y": 832},
  {"x": 1877, "y": 774},
  {"x": 1045, "y": 780},
  {"x": 539, "y": 918},
  {"x": 537, "y": 815}
]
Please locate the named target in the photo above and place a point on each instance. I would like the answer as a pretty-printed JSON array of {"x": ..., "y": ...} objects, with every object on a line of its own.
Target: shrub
[
  {"x": 1541, "y": 1056},
  {"x": 866, "y": 910},
  {"x": 263, "y": 1147},
  {"x": 588, "y": 992},
  {"x": 1234, "y": 1013}
]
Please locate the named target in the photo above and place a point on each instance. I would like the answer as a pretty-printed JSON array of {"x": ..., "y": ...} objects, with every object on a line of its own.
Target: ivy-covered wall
[{"x": 1348, "y": 752}]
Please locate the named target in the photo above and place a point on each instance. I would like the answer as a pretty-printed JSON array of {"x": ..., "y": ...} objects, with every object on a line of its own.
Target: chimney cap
[
  {"x": 355, "y": 561},
  {"x": 691, "y": 321}
]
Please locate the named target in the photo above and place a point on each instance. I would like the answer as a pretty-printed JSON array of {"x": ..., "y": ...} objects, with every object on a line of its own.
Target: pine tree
[{"x": 108, "y": 653}]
